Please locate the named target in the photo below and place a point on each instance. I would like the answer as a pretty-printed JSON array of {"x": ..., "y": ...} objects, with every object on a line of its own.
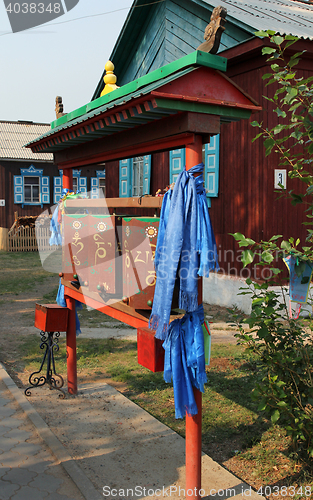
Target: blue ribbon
[
  {"x": 184, "y": 361},
  {"x": 60, "y": 300},
  {"x": 186, "y": 248}
]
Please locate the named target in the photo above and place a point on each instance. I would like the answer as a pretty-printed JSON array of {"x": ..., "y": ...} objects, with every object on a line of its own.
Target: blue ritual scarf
[
  {"x": 186, "y": 248},
  {"x": 60, "y": 300},
  {"x": 184, "y": 361},
  {"x": 56, "y": 237}
]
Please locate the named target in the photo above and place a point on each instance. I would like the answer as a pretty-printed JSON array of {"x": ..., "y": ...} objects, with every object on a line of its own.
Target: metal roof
[
  {"x": 282, "y": 16},
  {"x": 13, "y": 136}
]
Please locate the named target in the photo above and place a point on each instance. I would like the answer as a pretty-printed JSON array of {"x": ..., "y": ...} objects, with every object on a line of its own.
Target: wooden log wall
[{"x": 247, "y": 200}]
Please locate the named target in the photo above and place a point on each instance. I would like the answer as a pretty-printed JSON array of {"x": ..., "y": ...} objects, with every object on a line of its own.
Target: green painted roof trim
[
  {"x": 196, "y": 58},
  {"x": 212, "y": 109},
  {"x": 142, "y": 219}
]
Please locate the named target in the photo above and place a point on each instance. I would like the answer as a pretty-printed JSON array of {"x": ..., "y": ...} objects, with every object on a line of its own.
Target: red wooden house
[{"x": 240, "y": 180}]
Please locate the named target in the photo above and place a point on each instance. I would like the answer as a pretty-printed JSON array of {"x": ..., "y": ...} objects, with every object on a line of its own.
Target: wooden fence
[{"x": 27, "y": 239}]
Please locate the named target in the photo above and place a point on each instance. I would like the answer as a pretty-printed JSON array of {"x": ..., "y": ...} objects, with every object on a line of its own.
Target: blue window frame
[
  {"x": 31, "y": 187},
  {"x": 135, "y": 174},
  {"x": 79, "y": 183},
  {"x": 97, "y": 184},
  {"x": 210, "y": 159}
]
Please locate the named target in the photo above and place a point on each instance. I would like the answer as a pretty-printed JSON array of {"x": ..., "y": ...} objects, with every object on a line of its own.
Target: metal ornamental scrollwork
[{"x": 49, "y": 343}]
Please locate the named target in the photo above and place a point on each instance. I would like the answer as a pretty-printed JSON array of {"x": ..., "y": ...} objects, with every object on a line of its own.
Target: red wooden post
[
  {"x": 71, "y": 347},
  {"x": 194, "y": 423},
  {"x": 68, "y": 179},
  {"x": 71, "y": 326}
]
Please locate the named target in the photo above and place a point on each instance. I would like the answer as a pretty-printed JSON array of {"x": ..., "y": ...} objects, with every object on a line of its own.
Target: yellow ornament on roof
[{"x": 109, "y": 79}]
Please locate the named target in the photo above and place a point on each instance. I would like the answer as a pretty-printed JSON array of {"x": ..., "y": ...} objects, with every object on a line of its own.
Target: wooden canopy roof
[{"x": 159, "y": 111}]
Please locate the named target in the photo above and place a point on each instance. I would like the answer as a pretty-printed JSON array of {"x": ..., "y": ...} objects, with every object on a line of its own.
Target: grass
[
  {"x": 234, "y": 433},
  {"x": 20, "y": 272}
]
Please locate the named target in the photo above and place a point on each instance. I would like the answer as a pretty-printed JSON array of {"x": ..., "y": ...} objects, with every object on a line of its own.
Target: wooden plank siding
[
  {"x": 145, "y": 49},
  {"x": 8, "y": 169},
  {"x": 162, "y": 33},
  {"x": 247, "y": 201},
  {"x": 186, "y": 23}
]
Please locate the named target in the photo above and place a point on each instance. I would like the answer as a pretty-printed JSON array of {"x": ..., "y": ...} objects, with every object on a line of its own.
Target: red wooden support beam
[
  {"x": 193, "y": 450},
  {"x": 68, "y": 179},
  {"x": 159, "y": 135},
  {"x": 71, "y": 347},
  {"x": 194, "y": 423},
  {"x": 71, "y": 326}
]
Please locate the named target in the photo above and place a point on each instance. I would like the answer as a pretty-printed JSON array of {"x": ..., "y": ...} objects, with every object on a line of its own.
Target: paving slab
[
  {"x": 121, "y": 452},
  {"x": 28, "y": 468}
]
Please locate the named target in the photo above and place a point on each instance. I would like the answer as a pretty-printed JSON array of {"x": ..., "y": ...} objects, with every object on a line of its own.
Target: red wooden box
[
  {"x": 139, "y": 244},
  {"x": 51, "y": 317},
  {"x": 149, "y": 350}
]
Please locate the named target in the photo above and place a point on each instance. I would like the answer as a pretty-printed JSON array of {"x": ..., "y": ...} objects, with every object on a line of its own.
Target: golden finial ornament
[{"x": 109, "y": 79}]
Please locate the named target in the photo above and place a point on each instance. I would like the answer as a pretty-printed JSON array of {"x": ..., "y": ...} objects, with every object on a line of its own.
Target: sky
[{"x": 64, "y": 57}]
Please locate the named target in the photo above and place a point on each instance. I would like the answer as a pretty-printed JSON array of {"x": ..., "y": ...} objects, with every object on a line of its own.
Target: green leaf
[
  {"x": 276, "y": 237},
  {"x": 262, "y": 33},
  {"x": 238, "y": 236},
  {"x": 267, "y": 257},
  {"x": 247, "y": 257},
  {"x": 285, "y": 245},
  {"x": 246, "y": 242},
  {"x": 269, "y": 144},
  {"x": 255, "y": 124},
  {"x": 275, "y": 416},
  {"x": 277, "y": 39},
  {"x": 278, "y": 128},
  {"x": 291, "y": 42},
  {"x": 267, "y": 75},
  {"x": 262, "y": 406},
  {"x": 294, "y": 62},
  {"x": 280, "y": 112},
  {"x": 257, "y": 137},
  {"x": 291, "y": 94},
  {"x": 291, "y": 37},
  {"x": 268, "y": 50}
]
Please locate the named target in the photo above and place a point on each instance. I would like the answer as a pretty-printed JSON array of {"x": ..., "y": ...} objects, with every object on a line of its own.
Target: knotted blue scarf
[
  {"x": 184, "y": 361},
  {"x": 60, "y": 300},
  {"x": 186, "y": 248},
  {"x": 56, "y": 237}
]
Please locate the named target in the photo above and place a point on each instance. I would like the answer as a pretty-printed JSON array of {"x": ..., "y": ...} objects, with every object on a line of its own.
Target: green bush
[{"x": 284, "y": 352}]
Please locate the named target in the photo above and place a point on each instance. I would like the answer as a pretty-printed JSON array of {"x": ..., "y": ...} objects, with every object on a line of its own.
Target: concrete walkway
[
  {"x": 221, "y": 332},
  {"x": 34, "y": 464},
  {"x": 131, "y": 447}
]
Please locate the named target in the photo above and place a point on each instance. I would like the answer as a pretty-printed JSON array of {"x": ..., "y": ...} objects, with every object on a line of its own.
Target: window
[
  {"x": 97, "y": 184},
  {"x": 177, "y": 163},
  {"x": 135, "y": 176},
  {"x": 210, "y": 159},
  {"x": 31, "y": 189},
  {"x": 75, "y": 184},
  {"x": 79, "y": 183},
  {"x": 102, "y": 185}
]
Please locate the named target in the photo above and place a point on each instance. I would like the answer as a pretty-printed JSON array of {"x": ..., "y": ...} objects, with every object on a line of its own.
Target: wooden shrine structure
[{"x": 179, "y": 105}]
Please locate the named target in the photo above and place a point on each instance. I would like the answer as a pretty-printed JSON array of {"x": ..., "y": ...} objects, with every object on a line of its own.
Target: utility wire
[{"x": 86, "y": 17}]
